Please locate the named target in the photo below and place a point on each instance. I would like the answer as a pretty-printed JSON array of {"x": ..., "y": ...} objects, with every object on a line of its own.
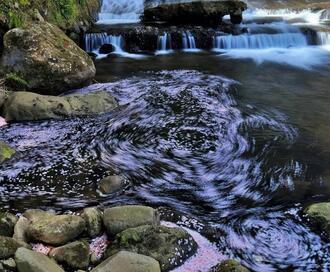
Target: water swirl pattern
[{"x": 185, "y": 141}]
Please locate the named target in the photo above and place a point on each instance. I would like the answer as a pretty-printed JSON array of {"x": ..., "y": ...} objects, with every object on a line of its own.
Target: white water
[
  {"x": 120, "y": 11},
  {"x": 260, "y": 41},
  {"x": 164, "y": 44},
  {"x": 274, "y": 36},
  {"x": 94, "y": 41},
  {"x": 188, "y": 42}
]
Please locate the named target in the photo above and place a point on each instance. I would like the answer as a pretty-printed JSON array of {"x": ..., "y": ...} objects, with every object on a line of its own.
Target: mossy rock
[
  {"x": 30, "y": 261},
  {"x": 319, "y": 215},
  {"x": 7, "y": 224},
  {"x": 229, "y": 266},
  {"x": 170, "y": 246},
  {"x": 15, "y": 82},
  {"x": 125, "y": 261},
  {"x": 56, "y": 229},
  {"x": 120, "y": 218},
  {"x": 8, "y": 247},
  {"x": 47, "y": 60},
  {"x": 75, "y": 255},
  {"x": 6, "y": 152}
]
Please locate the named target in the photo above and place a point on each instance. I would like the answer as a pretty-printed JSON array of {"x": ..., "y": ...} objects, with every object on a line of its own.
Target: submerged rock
[
  {"x": 229, "y": 266},
  {"x": 6, "y": 152},
  {"x": 319, "y": 214},
  {"x": 93, "y": 219},
  {"x": 30, "y": 261},
  {"x": 7, "y": 224},
  {"x": 46, "y": 59},
  {"x": 111, "y": 184},
  {"x": 170, "y": 246},
  {"x": 26, "y": 106},
  {"x": 74, "y": 255},
  {"x": 195, "y": 13},
  {"x": 107, "y": 49},
  {"x": 8, "y": 247},
  {"x": 56, "y": 229},
  {"x": 118, "y": 219},
  {"x": 125, "y": 261}
]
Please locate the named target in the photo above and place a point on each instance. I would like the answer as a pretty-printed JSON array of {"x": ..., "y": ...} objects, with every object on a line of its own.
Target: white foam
[{"x": 306, "y": 57}]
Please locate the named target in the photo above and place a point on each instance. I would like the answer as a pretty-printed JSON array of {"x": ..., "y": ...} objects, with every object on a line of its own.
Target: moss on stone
[
  {"x": 16, "y": 82},
  {"x": 63, "y": 13},
  {"x": 6, "y": 152}
]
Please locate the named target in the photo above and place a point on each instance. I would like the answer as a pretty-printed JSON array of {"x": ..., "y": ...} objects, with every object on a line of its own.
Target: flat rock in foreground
[
  {"x": 125, "y": 261},
  {"x": 30, "y": 261}
]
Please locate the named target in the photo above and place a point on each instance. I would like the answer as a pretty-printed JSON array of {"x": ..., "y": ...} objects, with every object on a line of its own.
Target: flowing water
[{"x": 236, "y": 141}]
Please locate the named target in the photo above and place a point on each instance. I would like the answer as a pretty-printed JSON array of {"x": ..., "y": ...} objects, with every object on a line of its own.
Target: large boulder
[
  {"x": 56, "y": 229},
  {"x": 6, "y": 152},
  {"x": 120, "y": 218},
  {"x": 319, "y": 215},
  {"x": 8, "y": 247},
  {"x": 26, "y": 106},
  {"x": 194, "y": 12},
  {"x": 74, "y": 255},
  {"x": 46, "y": 59},
  {"x": 170, "y": 246},
  {"x": 125, "y": 261},
  {"x": 30, "y": 261},
  {"x": 7, "y": 224}
]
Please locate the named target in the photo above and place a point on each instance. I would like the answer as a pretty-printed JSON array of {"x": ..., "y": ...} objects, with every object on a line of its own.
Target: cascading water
[
  {"x": 260, "y": 41},
  {"x": 164, "y": 44},
  {"x": 188, "y": 41},
  {"x": 93, "y": 41},
  {"x": 120, "y": 11}
]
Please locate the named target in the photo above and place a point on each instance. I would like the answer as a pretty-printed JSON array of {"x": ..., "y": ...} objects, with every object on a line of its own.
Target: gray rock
[
  {"x": 49, "y": 61},
  {"x": 8, "y": 247},
  {"x": 21, "y": 230},
  {"x": 7, "y": 224},
  {"x": 35, "y": 214},
  {"x": 74, "y": 255},
  {"x": 169, "y": 246},
  {"x": 56, "y": 229},
  {"x": 9, "y": 264},
  {"x": 94, "y": 223},
  {"x": 26, "y": 106},
  {"x": 30, "y": 261},
  {"x": 111, "y": 184},
  {"x": 120, "y": 218},
  {"x": 125, "y": 261}
]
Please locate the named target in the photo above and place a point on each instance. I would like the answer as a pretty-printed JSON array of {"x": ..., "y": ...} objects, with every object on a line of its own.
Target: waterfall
[
  {"x": 93, "y": 41},
  {"x": 260, "y": 41},
  {"x": 120, "y": 11},
  {"x": 164, "y": 44},
  {"x": 188, "y": 41},
  {"x": 324, "y": 39}
]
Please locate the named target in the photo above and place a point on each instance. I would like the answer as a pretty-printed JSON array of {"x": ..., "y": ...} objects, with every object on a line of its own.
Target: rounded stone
[
  {"x": 56, "y": 229},
  {"x": 120, "y": 218},
  {"x": 111, "y": 184},
  {"x": 94, "y": 223},
  {"x": 125, "y": 261}
]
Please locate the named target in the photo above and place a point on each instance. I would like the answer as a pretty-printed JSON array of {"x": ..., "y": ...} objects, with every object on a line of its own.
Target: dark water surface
[{"x": 238, "y": 146}]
